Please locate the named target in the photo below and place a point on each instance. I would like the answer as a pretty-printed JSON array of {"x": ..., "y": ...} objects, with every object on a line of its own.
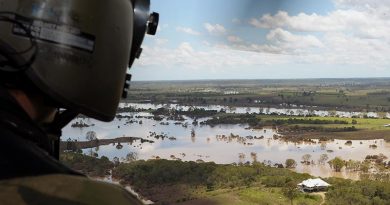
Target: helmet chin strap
[{"x": 54, "y": 132}]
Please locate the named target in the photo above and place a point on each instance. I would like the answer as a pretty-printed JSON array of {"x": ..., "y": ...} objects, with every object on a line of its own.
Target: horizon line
[{"x": 248, "y": 79}]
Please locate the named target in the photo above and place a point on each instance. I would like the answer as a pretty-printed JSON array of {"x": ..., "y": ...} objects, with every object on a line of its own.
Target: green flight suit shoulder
[{"x": 62, "y": 189}]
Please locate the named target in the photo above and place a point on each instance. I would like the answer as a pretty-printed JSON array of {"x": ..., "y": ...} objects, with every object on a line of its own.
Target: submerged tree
[
  {"x": 193, "y": 135},
  {"x": 261, "y": 110},
  {"x": 241, "y": 158},
  {"x": 232, "y": 109},
  {"x": 365, "y": 167},
  {"x": 131, "y": 157},
  {"x": 91, "y": 136},
  {"x": 306, "y": 158},
  {"x": 323, "y": 158},
  {"x": 71, "y": 145},
  {"x": 254, "y": 156},
  {"x": 352, "y": 165},
  {"x": 119, "y": 146},
  {"x": 290, "y": 163},
  {"x": 116, "y": 161},
  {"x": 337, "y": 164}
]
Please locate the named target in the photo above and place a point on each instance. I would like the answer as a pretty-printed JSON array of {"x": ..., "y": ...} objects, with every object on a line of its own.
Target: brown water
[
  {"x": 292, "y": 110},
  {"x": 216, "y": 144}
]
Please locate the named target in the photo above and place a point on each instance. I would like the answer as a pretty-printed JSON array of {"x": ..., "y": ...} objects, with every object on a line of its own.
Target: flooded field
[
  {"x": 294, "y": 110},
  {"x": 222, "y": 144}
]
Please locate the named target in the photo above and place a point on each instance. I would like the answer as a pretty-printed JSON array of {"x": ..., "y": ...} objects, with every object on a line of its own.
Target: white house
[{"x": 311, "y": 185}]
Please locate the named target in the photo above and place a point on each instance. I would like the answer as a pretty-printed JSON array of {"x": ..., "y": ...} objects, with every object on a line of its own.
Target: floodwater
[
  {"x": 294, "y": 110},
  {"x": 223, "y": 144}
]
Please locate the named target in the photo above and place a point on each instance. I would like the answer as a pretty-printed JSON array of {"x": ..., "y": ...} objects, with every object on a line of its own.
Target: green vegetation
[
  {"x": 337, "y": 164},
  {"x": 255, "y": 196},
  {"x": 91, "y": 166},
  {"x": 204, "y": 180},
  {"x": 246, "y": 196},
  {"x": 250, "y": 119},
  {"x": 176, "y": 182},
  {"x": 200, "y": 112},
  {"x": 290, "y": 191},
  {"x": 330, "y": 122},
  {"x": 300, "y": 128},
  {"x": 132, "y": 109},
  {"x": 343, "y": 94},
  {"x": 357, "y": 128},
  {"x": 290, "y": 163},
  {"x": 192, "y": 113},
  {"x": 358, "y": 192},
  {"x": 306, "y": 120},
  {"x": 362, "y": 95}
]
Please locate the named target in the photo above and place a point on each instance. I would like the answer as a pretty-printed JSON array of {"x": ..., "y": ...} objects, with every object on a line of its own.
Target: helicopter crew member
[{"x": 59, "y": 59}]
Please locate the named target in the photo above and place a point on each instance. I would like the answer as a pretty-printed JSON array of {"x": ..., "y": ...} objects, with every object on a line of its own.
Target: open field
[
  {"x": 341, "y": 94},
  {"x": 300, "y": 127},
  {"x": 365, "y": 128},
  {"x": 361, "y": 123},
  {"x": 252, "y": 196}
]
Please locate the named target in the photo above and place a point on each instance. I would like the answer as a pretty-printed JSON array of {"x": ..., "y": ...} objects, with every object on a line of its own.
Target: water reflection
[
  {"x": 221, "y": 144},
  {"x": 294, "y": 110}
]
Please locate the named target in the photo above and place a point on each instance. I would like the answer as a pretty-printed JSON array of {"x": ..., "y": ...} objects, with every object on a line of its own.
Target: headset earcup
[{"x": 141, "y": 17}]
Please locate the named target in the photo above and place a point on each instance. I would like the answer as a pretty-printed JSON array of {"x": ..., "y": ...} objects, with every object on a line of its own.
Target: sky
[{"x": 267, "y": 39}]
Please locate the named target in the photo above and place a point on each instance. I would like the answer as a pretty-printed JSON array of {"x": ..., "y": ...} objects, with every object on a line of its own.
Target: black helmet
[{"x": 75, "y": 51}]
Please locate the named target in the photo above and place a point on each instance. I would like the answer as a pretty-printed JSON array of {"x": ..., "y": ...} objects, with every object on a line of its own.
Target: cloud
[
  {"x": 268, "y": 21},
  {"x": 219, "y": 60},
  {"x": 161, "y": 41},
  {"x": 186, "y": 56},
  {"x": 279, "y": 41},
  {"x": 358, "y": 22},
  {"x": 234, "y": 39},
  {"x": 355, "y": 33},
  {"x": 362, "y": 4},
  {"x": 304, "y": 22},
  {"x": 236, "y": 21},
  {"x": 188, "y": 31},
  {"x": 346, "y": 49},
  {"x": 160, "y": 28},
  {"x": 206, "y": 43},
  {"x": 287, "y": 40},
  {"x": 215, "y": 29}
]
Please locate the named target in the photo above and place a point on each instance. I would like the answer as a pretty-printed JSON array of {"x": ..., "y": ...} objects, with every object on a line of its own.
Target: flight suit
[{"x": 29, "y": 175}]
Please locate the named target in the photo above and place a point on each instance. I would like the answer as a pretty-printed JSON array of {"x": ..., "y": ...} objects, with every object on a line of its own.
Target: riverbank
[{"x": 74, "y": 145}]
